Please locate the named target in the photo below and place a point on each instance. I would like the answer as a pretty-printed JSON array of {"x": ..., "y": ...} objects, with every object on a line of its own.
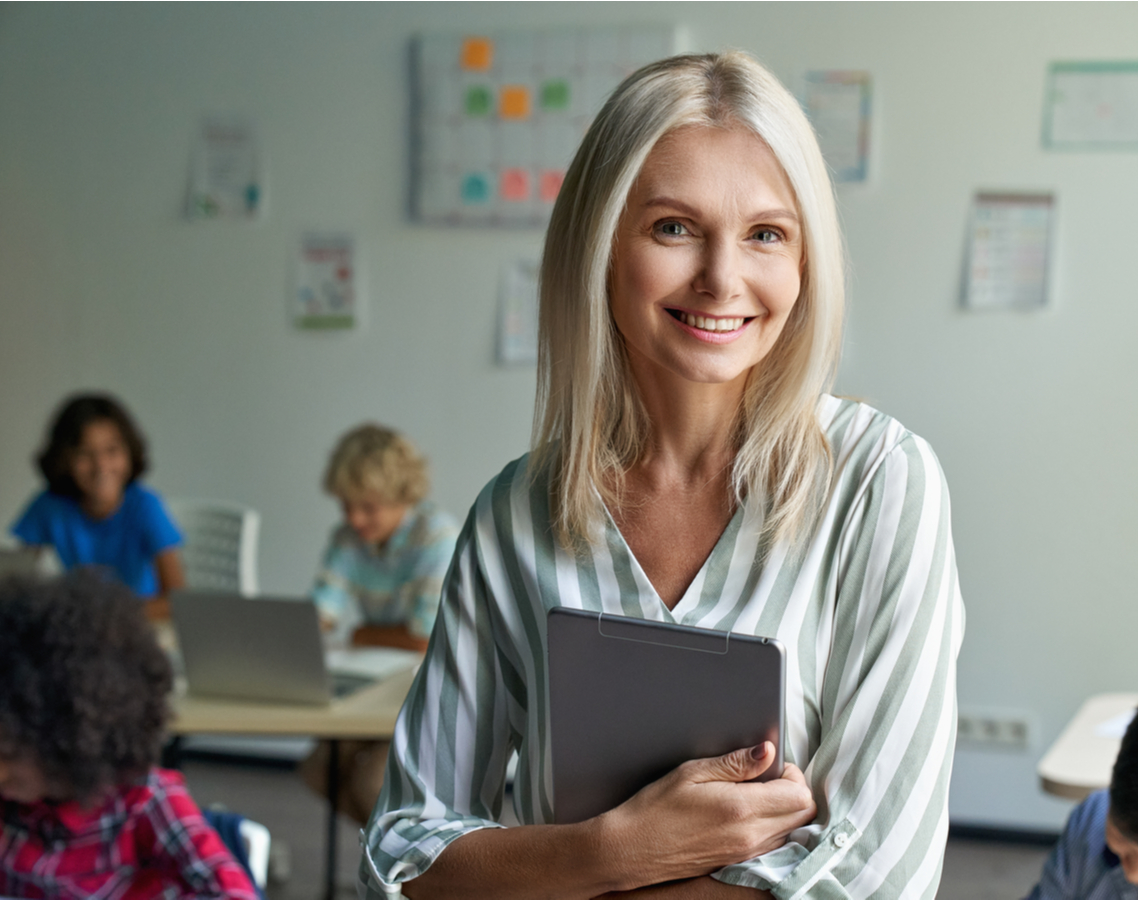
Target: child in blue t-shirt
[{"x": 94, "y": 511}]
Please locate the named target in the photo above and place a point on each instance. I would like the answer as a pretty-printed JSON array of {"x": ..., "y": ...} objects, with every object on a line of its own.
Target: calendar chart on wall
[{"x": 497, "y": 117}]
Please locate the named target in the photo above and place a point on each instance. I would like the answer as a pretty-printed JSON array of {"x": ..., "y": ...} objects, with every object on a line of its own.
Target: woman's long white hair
[{"x": 589, "y": 424}]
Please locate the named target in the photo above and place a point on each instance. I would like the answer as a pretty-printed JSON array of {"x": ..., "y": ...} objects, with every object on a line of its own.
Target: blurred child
[
  {"x": 85, "y": 813},
  {"x": 1097, "y": 856},
  {"x": 381, "y": 578},
  {"x": 384, "y": 565},
  {"x": 94, "y": 511}
]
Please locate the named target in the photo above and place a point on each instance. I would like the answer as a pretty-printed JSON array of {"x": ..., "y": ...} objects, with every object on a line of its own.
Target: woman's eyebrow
[{"x": 687, "y": 210}]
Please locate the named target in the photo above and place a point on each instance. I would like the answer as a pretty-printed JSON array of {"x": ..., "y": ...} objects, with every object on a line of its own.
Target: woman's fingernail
[{"x": 758, "y": 752}]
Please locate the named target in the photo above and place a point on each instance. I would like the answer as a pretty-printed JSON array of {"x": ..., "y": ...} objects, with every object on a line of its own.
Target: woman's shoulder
[
  {"x": 869, "y": 446},
  {"x": 509, "y": 493},
  {"x": 854, "y": 427}
]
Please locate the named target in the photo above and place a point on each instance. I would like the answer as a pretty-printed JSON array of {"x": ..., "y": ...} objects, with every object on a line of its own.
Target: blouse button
[{"x": 841, "y": 839}]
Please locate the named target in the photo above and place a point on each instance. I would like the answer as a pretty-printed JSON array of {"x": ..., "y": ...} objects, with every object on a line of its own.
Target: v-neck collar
[{"x": 720, "y": 554}]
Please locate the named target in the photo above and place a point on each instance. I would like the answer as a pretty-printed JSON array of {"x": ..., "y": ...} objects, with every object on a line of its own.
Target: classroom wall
[{"x": 104, "y": 285}]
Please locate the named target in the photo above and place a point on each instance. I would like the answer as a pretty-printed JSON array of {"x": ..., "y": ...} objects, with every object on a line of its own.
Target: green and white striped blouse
[{"x": 869, "y": 611}]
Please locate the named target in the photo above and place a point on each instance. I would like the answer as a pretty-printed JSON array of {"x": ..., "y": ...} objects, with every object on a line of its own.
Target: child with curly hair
[{"x": 84, "y": 811}]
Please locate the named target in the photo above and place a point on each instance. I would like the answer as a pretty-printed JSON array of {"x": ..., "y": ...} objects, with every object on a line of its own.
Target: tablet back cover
[{"x": 631, "y": 699}]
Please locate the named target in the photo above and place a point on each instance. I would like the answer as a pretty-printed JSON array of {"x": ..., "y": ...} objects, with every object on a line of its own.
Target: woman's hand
[
  {"x": 701, "y": 817},
  {"x": 706, "y": 814}
]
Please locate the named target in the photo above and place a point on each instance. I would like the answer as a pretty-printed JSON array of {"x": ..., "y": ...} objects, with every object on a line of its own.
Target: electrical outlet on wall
[{"x": 994, "y": 728}]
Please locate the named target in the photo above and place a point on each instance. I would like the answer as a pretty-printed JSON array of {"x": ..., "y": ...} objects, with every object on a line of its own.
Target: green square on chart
[
  {"x": 555, "y": 94},
  {"x": 479, "y": 100}
]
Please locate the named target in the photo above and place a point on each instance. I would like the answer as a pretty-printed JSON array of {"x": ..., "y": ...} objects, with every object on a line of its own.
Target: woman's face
[
  {"x": 100, "y": 466},
  {"x": 708, "y": 258}
]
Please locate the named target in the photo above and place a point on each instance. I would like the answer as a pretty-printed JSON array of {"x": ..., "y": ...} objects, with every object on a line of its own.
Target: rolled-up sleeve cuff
[
  {"x": 397, "y": 859},
  {"x": 795, "y": 871}
]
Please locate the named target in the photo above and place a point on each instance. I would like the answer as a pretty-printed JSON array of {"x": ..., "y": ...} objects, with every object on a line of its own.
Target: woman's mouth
[{"x": 714, "y": 324}]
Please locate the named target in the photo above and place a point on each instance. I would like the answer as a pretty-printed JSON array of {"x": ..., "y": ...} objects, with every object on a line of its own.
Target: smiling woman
[
  {"x": 707, "y": 261},
  {"x": 689, "y": 467}
]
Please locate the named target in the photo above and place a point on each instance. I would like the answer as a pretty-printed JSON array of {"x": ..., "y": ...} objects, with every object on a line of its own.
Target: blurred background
[{"x": 105, "y": 284}]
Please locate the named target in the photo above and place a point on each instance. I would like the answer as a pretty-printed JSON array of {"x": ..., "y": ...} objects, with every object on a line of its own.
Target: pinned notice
[
  {"x": 326, "y": 283},
  {"x": 517, "y": 313},
  {"x": 838, "y": 104},
  {"x": 1009, "y": 251},
  {"x": 1092, "y": 106},
  {"x": 226, "y": 181}
]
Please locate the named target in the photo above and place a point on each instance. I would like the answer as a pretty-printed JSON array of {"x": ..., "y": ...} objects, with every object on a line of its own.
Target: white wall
[{"x": 102, "y": 285}]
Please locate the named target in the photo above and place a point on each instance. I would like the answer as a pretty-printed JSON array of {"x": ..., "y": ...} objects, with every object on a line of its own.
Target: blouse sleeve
[
  {"x": 456, "y": 713},
  {"x": 880, "y": 770}
]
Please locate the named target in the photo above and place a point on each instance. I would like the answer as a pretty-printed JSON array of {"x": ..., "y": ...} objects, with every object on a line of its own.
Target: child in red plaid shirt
[{"x": 83, "y": 809}]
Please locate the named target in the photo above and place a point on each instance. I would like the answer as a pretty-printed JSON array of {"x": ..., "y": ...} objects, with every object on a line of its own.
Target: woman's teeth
[{"x": 707, "y": 324}]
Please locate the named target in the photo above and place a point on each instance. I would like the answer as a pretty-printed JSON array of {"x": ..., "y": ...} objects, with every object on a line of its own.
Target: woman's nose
[{"x": 721, "y": 275}]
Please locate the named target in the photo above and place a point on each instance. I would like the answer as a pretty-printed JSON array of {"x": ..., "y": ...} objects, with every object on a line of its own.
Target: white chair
[
  {"x": 220, "y": 552},
  {"x": 257, "y": 842}
]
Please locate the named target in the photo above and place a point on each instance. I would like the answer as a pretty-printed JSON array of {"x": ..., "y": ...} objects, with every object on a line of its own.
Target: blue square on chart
[{"x": 475, "y": 188}]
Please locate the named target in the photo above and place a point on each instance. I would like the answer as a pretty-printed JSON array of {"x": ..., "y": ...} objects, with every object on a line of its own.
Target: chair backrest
[{"x": 220, "y": 552}]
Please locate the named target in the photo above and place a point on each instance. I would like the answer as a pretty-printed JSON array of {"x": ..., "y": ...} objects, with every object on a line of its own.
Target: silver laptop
[
  {"x": 269, "y": 648},
  {"x": 631, "y": 699}
]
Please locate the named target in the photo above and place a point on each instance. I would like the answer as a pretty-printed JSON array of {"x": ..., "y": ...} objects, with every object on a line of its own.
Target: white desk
[{"x": 1080, "y": 761}]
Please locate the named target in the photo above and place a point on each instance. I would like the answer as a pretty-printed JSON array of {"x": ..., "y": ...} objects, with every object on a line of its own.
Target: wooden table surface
[{"x": 368, "y": 713}]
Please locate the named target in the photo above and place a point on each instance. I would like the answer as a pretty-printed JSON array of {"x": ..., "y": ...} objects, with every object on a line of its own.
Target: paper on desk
[
  {"x": 375, "y": 663},
  {"x": 1115, "y": 726}
]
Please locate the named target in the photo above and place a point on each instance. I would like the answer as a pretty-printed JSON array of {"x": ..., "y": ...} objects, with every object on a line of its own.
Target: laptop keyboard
[{"x": 344, "y": 683}]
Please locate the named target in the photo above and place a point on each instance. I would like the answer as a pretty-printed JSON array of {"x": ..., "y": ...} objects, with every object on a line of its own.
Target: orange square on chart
[
  {"x": 514, "y": 102},
  {"x": 477, "y": 54},
  {"x": 514, "y": 184}
]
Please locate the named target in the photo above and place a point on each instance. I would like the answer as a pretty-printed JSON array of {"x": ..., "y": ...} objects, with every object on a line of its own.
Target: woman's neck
[{"x": 693, "y": 427}]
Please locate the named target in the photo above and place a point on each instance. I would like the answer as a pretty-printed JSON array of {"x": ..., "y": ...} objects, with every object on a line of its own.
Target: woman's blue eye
[
  {"x": 766, "y": 236},
  {"x": 673, "y": 229}
]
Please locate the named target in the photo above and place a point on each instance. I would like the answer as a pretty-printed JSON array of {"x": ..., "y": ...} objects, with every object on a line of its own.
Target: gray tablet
[{"x": 631, "y": 699}]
